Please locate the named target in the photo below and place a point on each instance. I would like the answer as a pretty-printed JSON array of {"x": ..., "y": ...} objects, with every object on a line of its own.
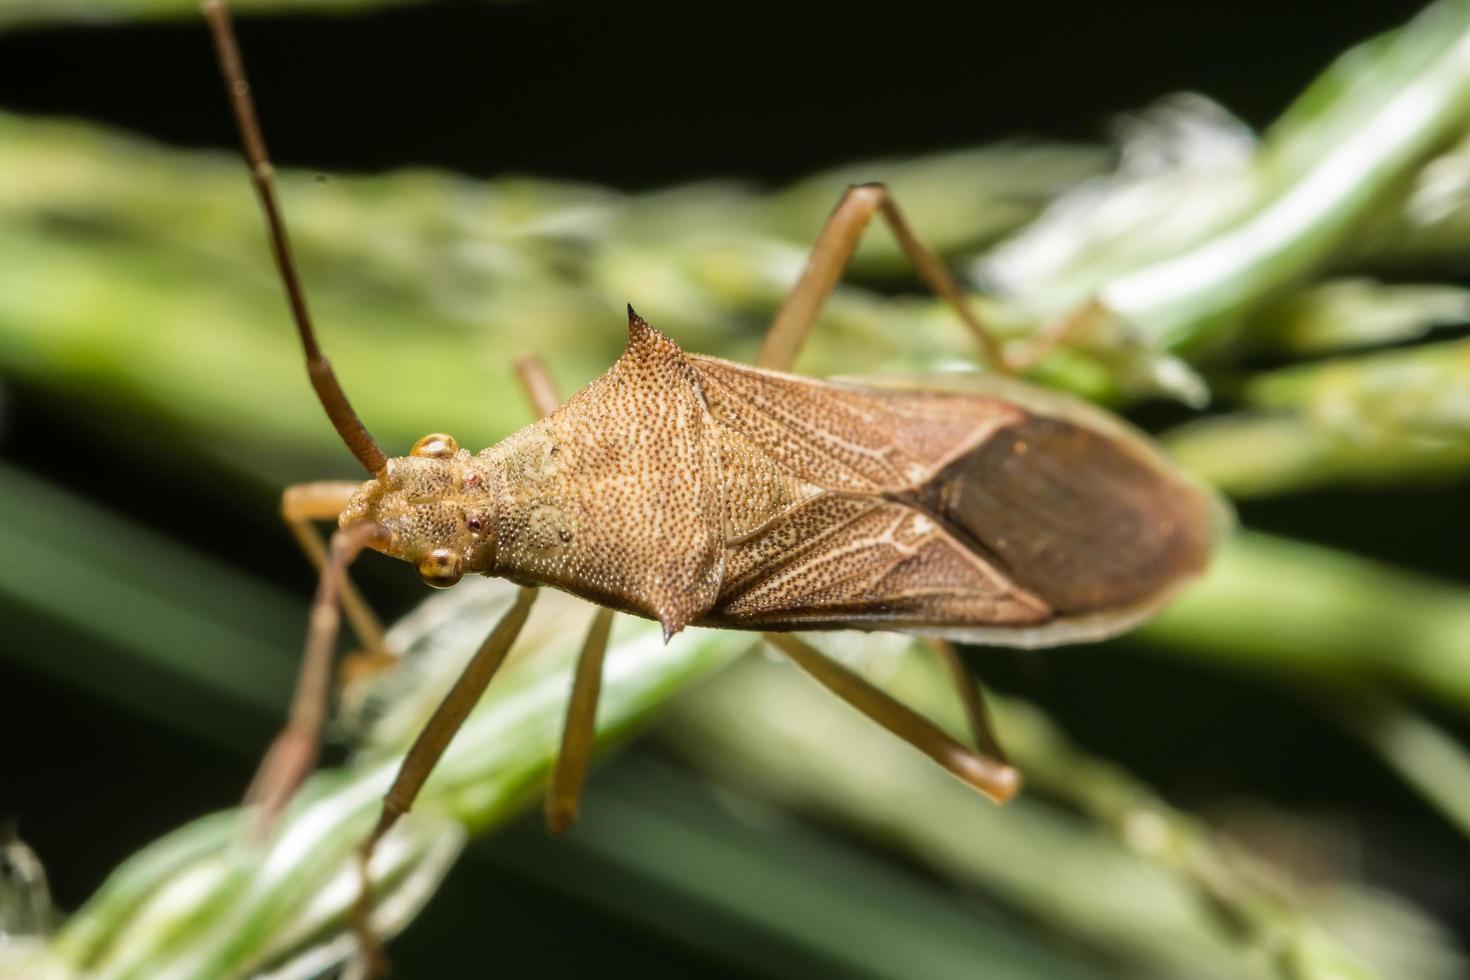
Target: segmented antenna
[{"x": 318, "y": 368}]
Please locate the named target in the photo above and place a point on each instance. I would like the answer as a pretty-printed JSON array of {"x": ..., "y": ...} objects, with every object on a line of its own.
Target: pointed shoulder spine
[{"x": 642, "y": 337}]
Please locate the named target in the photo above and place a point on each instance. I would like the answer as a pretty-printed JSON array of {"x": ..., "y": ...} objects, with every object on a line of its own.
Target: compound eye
[
  {"x": 440, "y": 569},
  {"x": 435, "y": 445}
]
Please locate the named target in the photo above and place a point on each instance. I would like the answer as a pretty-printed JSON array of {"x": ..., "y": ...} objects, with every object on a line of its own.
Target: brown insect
[{"x": 696, "y": 491}]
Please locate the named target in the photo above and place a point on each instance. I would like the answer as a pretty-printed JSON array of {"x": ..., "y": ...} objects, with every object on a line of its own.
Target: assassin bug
[{"x": 698, "y": 491}]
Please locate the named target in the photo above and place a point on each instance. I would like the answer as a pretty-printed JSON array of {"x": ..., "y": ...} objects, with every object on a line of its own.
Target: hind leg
[
  {"x": 830, "y": 255},
  {"x": 993, "y": 778},
  {"x": 833, "y": 250}
]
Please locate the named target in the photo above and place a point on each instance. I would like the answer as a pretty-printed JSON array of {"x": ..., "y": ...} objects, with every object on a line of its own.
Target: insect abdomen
[{"x": 1079, "y": 519}]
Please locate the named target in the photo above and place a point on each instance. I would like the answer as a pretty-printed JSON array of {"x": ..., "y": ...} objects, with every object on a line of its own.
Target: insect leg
[
  {"x": 831, "y": 253},
  {"x": 1053, "y": 334},
  {"x": 570, "y": 771},
  {"x": 324, "y": 501},
  {"x": 995, "y": 779},
  {"x": 576, "y": 741},
  {"x": 294, "y": 751},
  {"x": 450, "y": 715},
  {"x": 536, "y": 385},
  {"x": 970, "y": 697},
  {"x": 426, "y": 750}
]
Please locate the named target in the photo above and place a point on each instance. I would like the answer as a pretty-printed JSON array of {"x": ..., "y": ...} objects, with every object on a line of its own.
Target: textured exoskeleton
[
  {"x": 693, "y": 490},
  {"x": 696, "y": 490}
]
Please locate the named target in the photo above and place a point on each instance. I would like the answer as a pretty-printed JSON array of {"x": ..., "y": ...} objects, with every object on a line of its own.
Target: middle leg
[
  {"x": 434, "y": 739},
  {"x": 295, "y": 749},
  {"x": 580, "y": 726},
  {"x": 580, "y": 730}
]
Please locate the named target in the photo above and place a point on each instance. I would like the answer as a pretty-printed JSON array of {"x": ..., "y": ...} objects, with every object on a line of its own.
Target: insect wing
[{"x": 957, "y": 507}]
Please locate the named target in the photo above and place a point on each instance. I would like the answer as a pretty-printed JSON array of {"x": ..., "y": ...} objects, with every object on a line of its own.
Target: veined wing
[
  {"x": 980, "y": 517},
  {"x": 848, "y": 437},
  {"x": 842, "y": 560}
]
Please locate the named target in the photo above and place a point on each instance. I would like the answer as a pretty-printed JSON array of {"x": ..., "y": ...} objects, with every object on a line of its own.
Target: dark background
[{"x": 640, "y": 95}]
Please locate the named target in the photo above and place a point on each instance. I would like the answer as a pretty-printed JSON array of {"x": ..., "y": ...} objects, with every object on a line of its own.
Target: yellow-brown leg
[
  {"x": 580, "y": 730},
  {"x": 425, "y": 754},
  {"x": 580, "y": 727},
  {"x": 974, "y": 704},
  {"x": 301, "y": 506},
  {"x": 830, "y": 254},
  {"x": 993, "y": 778},
  {"x": 793, "y": 323},
  {"x": 536, "y": 386},
  {"x": 834, "y": 248},
  {"x": 294, "y": 751},
  {"x": 452, "y": 711}
]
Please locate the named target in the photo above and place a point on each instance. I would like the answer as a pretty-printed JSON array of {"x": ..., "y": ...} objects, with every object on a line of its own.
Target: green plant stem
[
  {"x": 206, "y": 902},
  {"x": 1285, "y": 610},
  {"x": 1250, "y": 454},
  {"x": 1191, "y": 909},
  {"x": 1424, "y": 755},
  {"x": 1357, "y": 132},
  {"x": 1281, "y": 608}
]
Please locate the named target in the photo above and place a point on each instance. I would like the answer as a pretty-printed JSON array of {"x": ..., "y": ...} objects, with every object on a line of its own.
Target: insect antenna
[{"x": 318, "y": 368}]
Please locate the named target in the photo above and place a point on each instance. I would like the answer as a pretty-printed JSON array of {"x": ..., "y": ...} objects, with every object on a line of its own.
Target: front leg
[
  {"x": 294, "y": 750},
  {"x": 434, "y": 738},
  {"x": 293, "y": 753},
  {"x": 305, "y": 503}
]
